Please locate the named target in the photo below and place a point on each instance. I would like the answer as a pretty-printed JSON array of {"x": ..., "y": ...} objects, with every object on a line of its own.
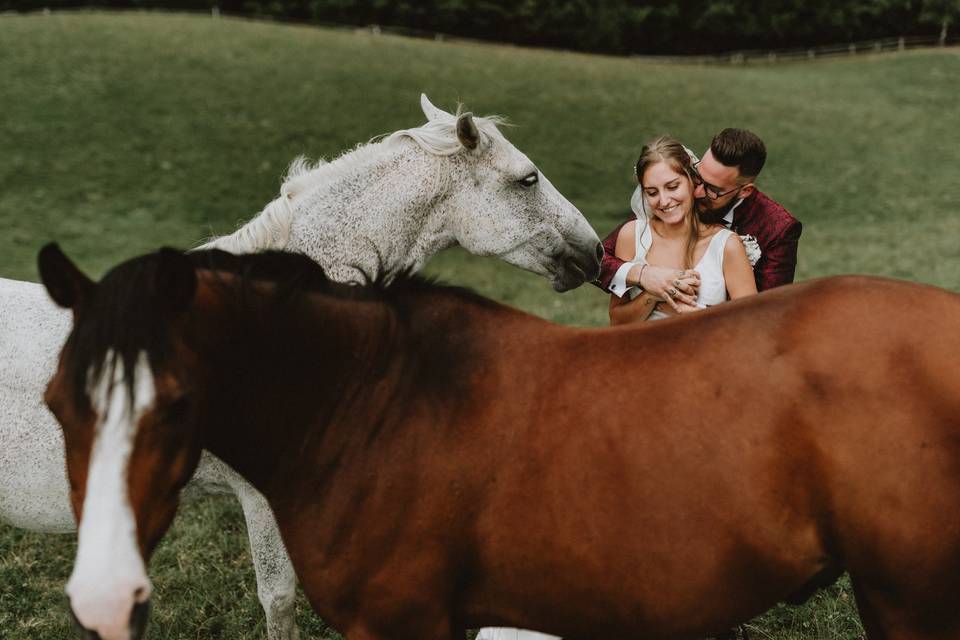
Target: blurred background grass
[{"x": 123, "y": 132}]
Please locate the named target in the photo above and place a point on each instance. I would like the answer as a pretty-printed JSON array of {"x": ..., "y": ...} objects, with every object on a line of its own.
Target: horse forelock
[{"x": 121, "y": 322}]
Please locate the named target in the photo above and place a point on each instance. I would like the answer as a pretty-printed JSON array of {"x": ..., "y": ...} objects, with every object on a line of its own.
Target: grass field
[{"x": 122, "y": 132}]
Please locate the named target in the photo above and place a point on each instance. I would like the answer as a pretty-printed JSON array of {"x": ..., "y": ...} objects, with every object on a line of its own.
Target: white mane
[{"x": 270, "y": 229}]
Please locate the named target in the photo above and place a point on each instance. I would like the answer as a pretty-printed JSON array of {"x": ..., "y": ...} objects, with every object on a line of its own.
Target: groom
[{"x": 726, "y": 195}]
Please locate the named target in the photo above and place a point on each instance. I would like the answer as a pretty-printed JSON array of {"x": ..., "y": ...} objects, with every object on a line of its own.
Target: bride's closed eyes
[{"x": 670, "y": 186}]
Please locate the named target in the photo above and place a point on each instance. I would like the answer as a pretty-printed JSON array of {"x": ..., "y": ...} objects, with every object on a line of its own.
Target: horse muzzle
[
  {"x": 578, "y": 267},
  {"x": 136, "y": 629}
]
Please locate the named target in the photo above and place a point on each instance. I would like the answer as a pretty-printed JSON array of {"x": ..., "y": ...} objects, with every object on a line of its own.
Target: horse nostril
[{"x": 599, "y": 251}]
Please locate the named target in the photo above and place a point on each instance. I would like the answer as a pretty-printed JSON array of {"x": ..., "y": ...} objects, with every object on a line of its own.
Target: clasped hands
[{"x": 676, "y": 290}]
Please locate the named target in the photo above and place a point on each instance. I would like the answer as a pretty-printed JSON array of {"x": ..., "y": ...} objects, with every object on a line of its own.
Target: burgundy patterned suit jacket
[{"x": 777, "y": 232}]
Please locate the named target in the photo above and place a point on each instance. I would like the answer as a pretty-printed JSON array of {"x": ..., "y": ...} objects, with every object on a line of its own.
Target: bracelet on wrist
[{"x": 640, "y": 275}]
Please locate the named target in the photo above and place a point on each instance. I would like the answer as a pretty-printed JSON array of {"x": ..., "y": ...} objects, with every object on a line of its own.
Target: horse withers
[
  {"x": 437, "y": 461},
  {"x": 383, "y": 207}
]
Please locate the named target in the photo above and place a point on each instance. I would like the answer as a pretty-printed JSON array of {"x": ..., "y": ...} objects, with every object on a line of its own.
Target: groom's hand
[{"x": 670, "y": 285}]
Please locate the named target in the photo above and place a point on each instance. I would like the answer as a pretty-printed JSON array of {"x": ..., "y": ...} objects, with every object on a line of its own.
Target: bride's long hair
[{"x": 669, "y": 150}]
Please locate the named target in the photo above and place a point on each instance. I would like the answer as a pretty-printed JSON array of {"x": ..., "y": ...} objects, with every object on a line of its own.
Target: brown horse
[{"x": 438, "y": 461}]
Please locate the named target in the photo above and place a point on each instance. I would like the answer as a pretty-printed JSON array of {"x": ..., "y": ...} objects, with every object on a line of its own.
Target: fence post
[
  {"x": 853, "y": 49},
  {"x": 772, "y": 57},
  {"x": 877, "y": 46},
  {"x": 902, "y": 45},
  {"x": 214, "y": 12}
]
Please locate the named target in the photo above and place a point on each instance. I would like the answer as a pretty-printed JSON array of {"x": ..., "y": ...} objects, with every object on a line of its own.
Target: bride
[{"x": 710, "y": 260}]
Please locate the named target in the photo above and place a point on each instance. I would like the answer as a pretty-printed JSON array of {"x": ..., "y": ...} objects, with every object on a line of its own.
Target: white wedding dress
[{"x": 713, "y": 287}]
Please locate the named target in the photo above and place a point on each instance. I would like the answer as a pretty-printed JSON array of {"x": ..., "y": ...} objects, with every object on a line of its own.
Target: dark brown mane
[
  {"x": 296, "y": 273},
  {"x": 125, "y": 315}
]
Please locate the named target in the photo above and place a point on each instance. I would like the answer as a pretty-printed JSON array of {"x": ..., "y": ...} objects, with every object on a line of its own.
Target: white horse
[{"x": 384, "y": 206}]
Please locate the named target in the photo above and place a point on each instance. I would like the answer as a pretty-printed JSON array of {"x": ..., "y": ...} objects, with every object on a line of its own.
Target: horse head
[
  {"x": 124, "y": 415},
  {"x": 500, "y": 204}
]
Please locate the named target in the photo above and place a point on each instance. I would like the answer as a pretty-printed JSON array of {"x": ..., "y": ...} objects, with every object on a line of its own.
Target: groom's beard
[{"x": 712, "y": 216}]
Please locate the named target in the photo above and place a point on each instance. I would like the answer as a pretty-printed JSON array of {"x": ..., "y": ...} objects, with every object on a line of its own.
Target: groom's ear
[{"x": 747, "y": 190}]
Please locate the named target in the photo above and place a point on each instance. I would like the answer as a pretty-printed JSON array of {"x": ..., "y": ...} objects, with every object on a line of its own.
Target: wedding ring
[
  {"x": 672, "y": 292},
  {"x": 676, "y": 283}
]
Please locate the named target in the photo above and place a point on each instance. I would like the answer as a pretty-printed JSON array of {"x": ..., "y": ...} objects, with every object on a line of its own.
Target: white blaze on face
[{"x": 109, "y": 575}]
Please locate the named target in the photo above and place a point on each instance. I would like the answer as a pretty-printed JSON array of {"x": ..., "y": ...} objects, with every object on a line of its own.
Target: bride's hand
[
  {"x": 679, "y": 309},
  {"x": 670, "y": 285}
]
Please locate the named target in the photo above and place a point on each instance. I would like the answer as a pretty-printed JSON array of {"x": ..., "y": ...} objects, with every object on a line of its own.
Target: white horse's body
[
  {"x": 388, "y": 205},
  {"x": 33, "y": 482}
]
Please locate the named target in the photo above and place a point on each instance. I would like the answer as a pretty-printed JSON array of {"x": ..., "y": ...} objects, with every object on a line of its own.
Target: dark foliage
[{"x": 657, "y": 27}]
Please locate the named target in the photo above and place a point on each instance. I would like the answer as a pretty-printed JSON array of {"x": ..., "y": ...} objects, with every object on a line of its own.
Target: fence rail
[
  {"x": 875, "y": 45},
  {"x": 881, "y": 45}
]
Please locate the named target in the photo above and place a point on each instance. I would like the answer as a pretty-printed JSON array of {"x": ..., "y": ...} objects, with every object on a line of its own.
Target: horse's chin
[
  {"x": 138, "y": 623},
  {"x": 573, "y": 273},
  {"x": 571, "y": 277},
  {"x": 565, "y": 271},
  {"x": 138, "y": 620}
]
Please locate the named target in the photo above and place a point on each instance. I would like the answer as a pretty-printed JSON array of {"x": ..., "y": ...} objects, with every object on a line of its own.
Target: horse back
[
  {"x": 813, "y": 427},
  {"x": 670, "y": 478}
]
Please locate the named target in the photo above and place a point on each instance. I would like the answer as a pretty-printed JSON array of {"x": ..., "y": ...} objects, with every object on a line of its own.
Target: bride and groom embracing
[{"x": 702, "y": 233}]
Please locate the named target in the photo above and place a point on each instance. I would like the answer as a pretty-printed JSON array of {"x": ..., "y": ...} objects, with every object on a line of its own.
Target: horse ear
[
  {"x": 432, "y": 112},
  {"x": 176, "y": 279},
  {"x": 65, "y": 283},
  {"x": 467, "y": 131}
]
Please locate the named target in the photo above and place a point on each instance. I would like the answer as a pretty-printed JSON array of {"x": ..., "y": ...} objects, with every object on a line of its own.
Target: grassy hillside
[{"x": 122, "y": 132}]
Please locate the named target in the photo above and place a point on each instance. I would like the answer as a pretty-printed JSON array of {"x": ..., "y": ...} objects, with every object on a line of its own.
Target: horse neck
[
  {"x": 334, "y": 378},
  {"x": 273, "y": 370},
  {"x": 376, "y": 209}
]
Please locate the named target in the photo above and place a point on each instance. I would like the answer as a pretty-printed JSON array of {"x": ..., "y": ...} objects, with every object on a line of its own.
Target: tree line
[{"x": 658, "y": 27}]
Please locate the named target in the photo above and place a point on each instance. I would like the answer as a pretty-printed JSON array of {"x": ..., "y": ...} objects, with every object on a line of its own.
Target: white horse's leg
[
  {"x": 276, "y": 579},
  {"x": 507, "y": 633}
]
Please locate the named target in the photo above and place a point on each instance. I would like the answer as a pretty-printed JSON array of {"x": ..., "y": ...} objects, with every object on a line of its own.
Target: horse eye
[{"x": 529, "y": 180}]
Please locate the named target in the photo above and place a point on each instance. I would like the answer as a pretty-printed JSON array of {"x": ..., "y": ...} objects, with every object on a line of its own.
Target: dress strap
[
  {"x": 717, "y": 244},
  {"x": 644, "y": 238}
]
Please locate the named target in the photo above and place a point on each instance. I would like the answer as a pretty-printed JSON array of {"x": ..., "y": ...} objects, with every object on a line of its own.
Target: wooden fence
[{"x": 814, "y": 53}]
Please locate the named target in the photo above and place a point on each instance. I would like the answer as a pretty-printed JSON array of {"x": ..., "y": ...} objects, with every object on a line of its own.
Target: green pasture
[{"x": 123, "y": 132}]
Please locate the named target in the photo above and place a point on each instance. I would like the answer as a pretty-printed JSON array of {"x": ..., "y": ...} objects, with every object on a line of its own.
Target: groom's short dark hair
[{"x": 740, "y": 148}]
